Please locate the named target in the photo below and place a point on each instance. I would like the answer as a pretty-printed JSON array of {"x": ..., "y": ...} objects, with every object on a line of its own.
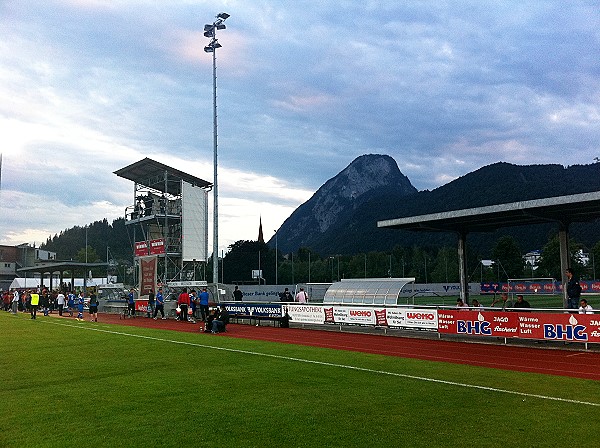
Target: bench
[
  {"x": 255, "y": 320},
  {"x": 121, "y": 309}
]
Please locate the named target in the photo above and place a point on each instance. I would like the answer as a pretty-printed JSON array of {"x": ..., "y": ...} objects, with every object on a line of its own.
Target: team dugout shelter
[
  {"x": 72, "y": 269},
  {"x": 561, "y": 210}
]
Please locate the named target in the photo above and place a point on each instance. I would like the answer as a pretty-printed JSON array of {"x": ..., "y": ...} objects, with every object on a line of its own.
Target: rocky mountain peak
[{"x": 334, "y": 203}]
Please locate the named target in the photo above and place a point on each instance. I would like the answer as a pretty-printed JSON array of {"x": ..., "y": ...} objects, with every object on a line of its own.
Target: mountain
[
  {"x": 336, "y": 222},
  {"x": 330, "y": 209}
]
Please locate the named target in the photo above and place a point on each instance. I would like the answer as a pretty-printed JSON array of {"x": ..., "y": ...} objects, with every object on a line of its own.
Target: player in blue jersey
[
  {"x": 80, "y": 307},
  {"x": 70, "y": 303},
  {"x": 160, "y": 304}
]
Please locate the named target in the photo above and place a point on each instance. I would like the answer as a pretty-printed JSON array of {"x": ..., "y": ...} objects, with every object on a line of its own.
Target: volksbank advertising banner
[
  {"x": 543, "y": 326},
  {"x": 439, "y": 289},
  {"x": 254, "y": 309}
]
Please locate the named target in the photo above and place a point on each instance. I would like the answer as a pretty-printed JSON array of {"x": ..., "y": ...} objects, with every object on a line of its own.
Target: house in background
[{"x": 21, "y": 256}]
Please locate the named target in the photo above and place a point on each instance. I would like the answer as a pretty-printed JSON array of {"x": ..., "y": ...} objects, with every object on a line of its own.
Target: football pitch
[{"x": 68, "y": 383}]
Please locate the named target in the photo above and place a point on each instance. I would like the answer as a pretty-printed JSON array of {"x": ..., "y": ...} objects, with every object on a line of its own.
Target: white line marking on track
[{"x": 330, "y": 364}]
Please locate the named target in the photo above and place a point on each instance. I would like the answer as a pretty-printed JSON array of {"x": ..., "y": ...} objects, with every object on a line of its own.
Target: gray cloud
[{"x": 304, "y": 88}]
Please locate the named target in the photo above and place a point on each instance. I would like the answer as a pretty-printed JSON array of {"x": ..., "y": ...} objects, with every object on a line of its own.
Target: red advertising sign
[
  {"x": 141, "y": 249},
  {"x": 478, "y": 323},
  {"x": 381, "y": 317},
  {"x": 542, "y": 326},
  {"x": 561, "y": 327},
  {"x": 157, "y": 247},
  {"x": 141, "y": 305},
  {"x": 329, "y": 315},
  {"x": 147, "y": 274}
]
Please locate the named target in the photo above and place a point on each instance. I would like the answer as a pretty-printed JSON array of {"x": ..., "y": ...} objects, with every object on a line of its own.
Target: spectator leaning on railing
[
  {"x": 521, "y": 303},
  {"x": 584, "y": 308}
]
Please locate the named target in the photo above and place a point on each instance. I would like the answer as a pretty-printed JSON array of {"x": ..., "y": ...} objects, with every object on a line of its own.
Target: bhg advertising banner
[
  {"x": 543, "y": 326},
  {"x": 478, "y": 323},
  {"x": 560, "y": 327}
]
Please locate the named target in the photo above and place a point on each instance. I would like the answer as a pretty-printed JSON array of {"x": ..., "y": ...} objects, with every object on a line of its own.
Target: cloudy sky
[{"x": 304, "y": 87}]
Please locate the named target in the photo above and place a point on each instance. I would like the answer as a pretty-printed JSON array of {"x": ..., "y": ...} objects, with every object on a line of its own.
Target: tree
[
  {"x": 245, "y": 256},
  {"x": 508, "y": 253},
  {"x": 91, "y": 256},
  {"x": 549, "y": 265},
  {"x": 595, "y": 255},
  {"x": 445, "y": 266}
]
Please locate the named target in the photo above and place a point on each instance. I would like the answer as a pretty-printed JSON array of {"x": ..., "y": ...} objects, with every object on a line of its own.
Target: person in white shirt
[
  {"x": 60, "y": 300},
  {"x": 302, "y": 297},
  {"x": 15, "y": 302},
  {"x": 584, "y": 308}
]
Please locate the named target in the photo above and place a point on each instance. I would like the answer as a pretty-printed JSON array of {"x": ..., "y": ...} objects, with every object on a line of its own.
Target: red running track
[{"x": 571, "y": 363}]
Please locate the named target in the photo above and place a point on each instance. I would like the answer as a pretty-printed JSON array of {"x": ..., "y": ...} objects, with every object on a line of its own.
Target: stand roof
[
  {"x": 150, "y": 173},
  {"x": 562, "y": 209}
]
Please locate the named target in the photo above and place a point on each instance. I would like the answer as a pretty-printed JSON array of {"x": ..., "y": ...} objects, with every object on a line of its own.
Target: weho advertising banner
[
  {"x": 541, "y": 326},
  {"x": 408, "y": 318},
  {"x": 382, "y": 317},
  {"x": 352, "y": 315}
]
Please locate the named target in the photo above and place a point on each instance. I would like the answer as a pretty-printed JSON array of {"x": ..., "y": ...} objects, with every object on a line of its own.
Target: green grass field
[{"x": 67, "y": 385}]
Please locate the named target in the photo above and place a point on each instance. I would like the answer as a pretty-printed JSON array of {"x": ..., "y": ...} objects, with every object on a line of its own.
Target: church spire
[{"x": 260, "y": 232}]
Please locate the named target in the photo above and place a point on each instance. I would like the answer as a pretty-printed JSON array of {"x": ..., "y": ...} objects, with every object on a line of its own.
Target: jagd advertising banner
[{"x": 542, "y": 326}]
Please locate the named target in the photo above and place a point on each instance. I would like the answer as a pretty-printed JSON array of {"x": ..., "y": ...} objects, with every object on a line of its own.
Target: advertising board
[{"x": 566, "y": 327}]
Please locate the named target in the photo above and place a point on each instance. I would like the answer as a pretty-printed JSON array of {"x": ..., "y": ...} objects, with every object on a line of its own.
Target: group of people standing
[
  {"x": 286, "y": 296},
  {"x": 32, "y": 300},
  {"x": 194, "y": 301}
]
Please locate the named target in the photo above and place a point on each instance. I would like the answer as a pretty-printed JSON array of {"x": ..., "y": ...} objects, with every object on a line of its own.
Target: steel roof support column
[
  {"x": 462, "y": 266},
  {"x": 563, "y": 237}
]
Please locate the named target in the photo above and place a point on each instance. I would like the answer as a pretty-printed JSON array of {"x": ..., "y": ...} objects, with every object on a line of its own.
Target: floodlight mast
[{"x": 210, "y": 31}]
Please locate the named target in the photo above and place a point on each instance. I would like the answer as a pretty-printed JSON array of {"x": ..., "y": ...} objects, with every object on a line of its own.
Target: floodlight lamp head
[
  {"x": 209, "y": 33},
  {"x": 209, "y": 49},
  {"x": 221, "y": 26},
  {"x": 208, "y": 27},
  {"x": 216, "y": 44},
  {"x": 223, "y": 16}
]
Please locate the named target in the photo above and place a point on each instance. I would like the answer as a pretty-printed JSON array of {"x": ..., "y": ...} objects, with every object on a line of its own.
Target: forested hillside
[{"x": 100, "y": 236}]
